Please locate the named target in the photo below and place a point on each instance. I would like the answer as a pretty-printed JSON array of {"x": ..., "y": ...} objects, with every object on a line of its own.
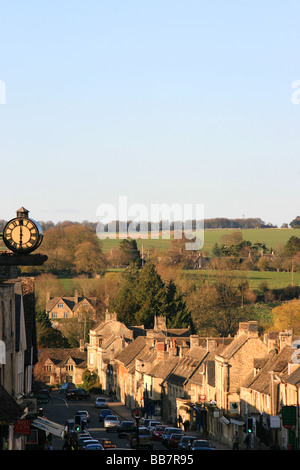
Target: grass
[
  {"x": 271, "y": 237},
  {"x": 275, "y": 280}
]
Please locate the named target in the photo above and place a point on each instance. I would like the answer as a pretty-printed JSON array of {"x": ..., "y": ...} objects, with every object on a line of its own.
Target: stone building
[
  {"x": 59, "y": 308},
  {"x": 18, "y": 354},
  {"x": 59, "y": 365},
  {"x": 106, "y": 341}
]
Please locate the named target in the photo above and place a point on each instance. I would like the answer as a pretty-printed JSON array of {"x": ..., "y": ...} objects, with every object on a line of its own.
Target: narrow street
[{"x": 59, "y": 410}]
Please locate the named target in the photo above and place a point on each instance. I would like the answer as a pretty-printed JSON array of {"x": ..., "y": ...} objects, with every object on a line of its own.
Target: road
[{"x": 59, "y": 410}]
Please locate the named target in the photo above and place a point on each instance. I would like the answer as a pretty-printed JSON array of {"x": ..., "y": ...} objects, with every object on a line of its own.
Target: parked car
[
  {"x": 107, "y": 444},
  {"x": 158, "y": 432},
  {"x": 202, "y": 444},
  {"x": 104, "y": 413},
  {"x": 144, "y": 439},
  {"x": 111, "y": 423},
  {"x": 88, "y": 442},
  {"x": 167, "y": 433},
  {"x": 84, "y": 414},
  {"x": 186, "y": 442},
  {"x": 45, "y": 391},
  {"x": 66, "y": 386},
  {"x": 101, "y": 403},
  {"x": 77, "y": 394},
  {"x": 126, "y": 428},
  {"x": 174, "y": 440},
  {"x": 152, "y": 424},
  {"x": 83, "y": 439},
  {"x": 93, "y": 447}
]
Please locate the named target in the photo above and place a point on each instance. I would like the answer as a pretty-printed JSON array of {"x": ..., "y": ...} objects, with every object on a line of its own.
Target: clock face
[{"x": 21, "y": 235}]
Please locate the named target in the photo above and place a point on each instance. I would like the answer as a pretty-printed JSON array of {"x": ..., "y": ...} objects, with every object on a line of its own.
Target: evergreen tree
[
  {"x": 178, "y": 315},
  {"x": 144, "y": 296}
]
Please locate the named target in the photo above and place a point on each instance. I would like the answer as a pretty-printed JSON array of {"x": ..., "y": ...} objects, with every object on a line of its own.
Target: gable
[{"x": 57, "y": 301}]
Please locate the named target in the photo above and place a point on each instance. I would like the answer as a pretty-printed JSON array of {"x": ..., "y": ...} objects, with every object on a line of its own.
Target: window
[
  {"x": 60, "y": 305},
  {"x": 69, "y": 367},
  {"x": 54, "y": 314},
  {"x": 66, "y": 314}
]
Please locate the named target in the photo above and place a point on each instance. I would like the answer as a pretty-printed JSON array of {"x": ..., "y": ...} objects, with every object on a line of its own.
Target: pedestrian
[
  {"x": 67, "y": 444},
  {"x": 180, "y": 421},
  {"x": 235, "y": 441},
  {"x": 247, "y": 441}
]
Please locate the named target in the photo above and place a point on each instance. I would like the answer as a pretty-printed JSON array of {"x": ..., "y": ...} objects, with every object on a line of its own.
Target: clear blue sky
[{"x": 162, "y": 101}]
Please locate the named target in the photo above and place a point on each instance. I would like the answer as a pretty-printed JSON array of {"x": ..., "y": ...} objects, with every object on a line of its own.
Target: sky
[{"x": 162, "y": 102}]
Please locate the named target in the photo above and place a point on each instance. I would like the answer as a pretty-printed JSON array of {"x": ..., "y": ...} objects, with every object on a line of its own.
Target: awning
[
  {"x": 49, "y": 426},
  {"x": 237, "y": 422},
  {"x": 224, "y": 420}
]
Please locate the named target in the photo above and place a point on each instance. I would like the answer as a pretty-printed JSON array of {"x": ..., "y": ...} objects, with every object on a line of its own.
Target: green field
[
  {"x": 271, "y": 237},
  {"x": 275, "y": 280}
]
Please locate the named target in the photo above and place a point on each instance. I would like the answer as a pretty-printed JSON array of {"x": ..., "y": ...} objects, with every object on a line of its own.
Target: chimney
[
  {"x": 76, "y": 296},
  {"x": 160, "y": 323},
  {"x": 211, "y": 344},
  {"x": 194, "y": 341},
  {"x": 249, "y": 328},
  {"x": 160, "y": 349},
  {"x": 285, "y": 338},
  {"x": 81, "y": 345},
  {"x": 183, "y": 349},
  {"x": 48, "y": 295}
]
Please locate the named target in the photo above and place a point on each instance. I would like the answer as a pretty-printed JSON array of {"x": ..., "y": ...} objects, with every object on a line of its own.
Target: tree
[
  {"x": 73, "y": 247},
  {"x": 287, "y": 316},
  {"x": 129, "y": 249},
  {"x": 49, "y": 337},
  {"x": 144, "y": 295},
  {"x": 178, "y": 315},
  {"x": 89, "y": 258},
  {"x": 217, "y": 306},
  {"x": 295, "y": 223},
  {"x": 291, "y": 247},
  {"x": 150, "y": 295}
]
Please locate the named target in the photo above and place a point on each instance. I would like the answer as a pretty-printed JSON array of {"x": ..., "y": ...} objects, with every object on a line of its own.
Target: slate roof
[
  {"x": 132, "y": 350},
  {"x": 184, "y": 369},
  {"x": 59, "y": 356},
  {"x": 234, "y": 346},
  {"x": 70, "y": 302},
  {"x": 276, "y": 363},
  {"x": 207, "y": 358},
  {"x": 294, "y": 378},
  {"x": 163, "y": 368}
]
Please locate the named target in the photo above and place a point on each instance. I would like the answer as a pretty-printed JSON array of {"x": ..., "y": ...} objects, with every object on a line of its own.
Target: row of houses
[{"x": 215, "y": 385}]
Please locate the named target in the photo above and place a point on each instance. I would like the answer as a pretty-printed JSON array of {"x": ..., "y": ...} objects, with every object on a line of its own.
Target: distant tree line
[{"x": 147, "y": 226}]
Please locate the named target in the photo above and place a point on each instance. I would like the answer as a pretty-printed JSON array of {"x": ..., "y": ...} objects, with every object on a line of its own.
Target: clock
[{"x": 22, "y": 234}]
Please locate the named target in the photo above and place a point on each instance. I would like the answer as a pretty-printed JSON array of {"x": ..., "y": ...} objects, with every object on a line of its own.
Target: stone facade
[
  {"x": 59, "y": 365},
  {"x": 59, "y": 308},
  {"x": 18, "y": 354}
]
